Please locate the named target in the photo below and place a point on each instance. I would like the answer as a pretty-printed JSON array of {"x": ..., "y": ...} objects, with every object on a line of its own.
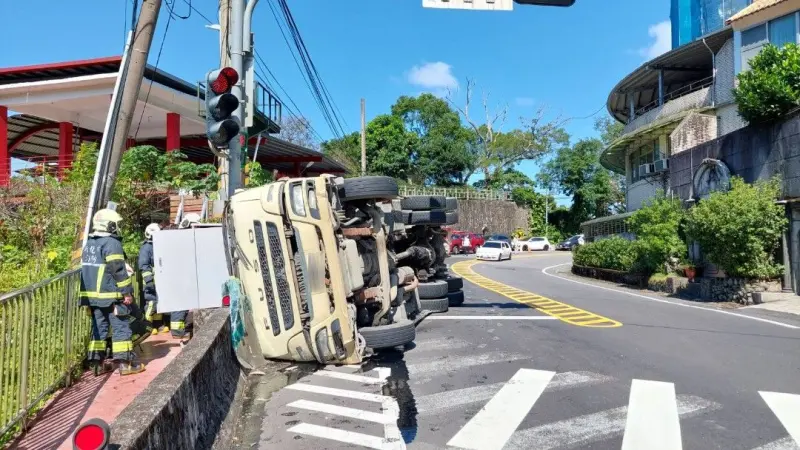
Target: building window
[
  {"x": 643, "y": 155},
  {"x": 778, "y": 32}
]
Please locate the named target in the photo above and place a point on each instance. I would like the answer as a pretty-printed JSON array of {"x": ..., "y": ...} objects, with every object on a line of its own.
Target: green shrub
[
  {"x": 771, "y": 88},
  {"x": 613, "y": 253},
  {"x": 741, "y": 229},
  {"x": 657, "y": 239}
]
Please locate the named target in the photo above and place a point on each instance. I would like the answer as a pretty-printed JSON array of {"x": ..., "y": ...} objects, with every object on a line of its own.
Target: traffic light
[
  {"x": 221, "y": 125},
  {"x": 546, "y": 2}
]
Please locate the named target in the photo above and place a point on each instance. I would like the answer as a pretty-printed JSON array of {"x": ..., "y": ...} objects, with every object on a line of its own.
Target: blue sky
[{"x": 567, "y": 59}]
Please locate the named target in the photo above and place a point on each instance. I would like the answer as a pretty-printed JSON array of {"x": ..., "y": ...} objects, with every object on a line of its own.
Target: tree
[
  {"x": 442, "y": 156},
  {"x": 508, "y": 180},
  {"x": 771, "y": 88},
  {"x": 494, "y": 151},
  {"x": 576, "y": 172},
  {"x": 297, "y": 130},
  {"x": 658, "y": 241},
  {"x": 347, "y": 151},
  {"x": 741, "y": 229},
  {"x": 610, "y": 130}
]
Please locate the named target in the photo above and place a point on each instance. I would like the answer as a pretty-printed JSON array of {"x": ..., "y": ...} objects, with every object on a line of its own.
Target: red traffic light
[
  {"x": 222, "y": 80},
  {"x": 92, "y": 435}
]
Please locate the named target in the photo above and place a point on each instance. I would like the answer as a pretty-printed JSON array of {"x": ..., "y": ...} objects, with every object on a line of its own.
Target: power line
[{"x": 296, "y": 114}]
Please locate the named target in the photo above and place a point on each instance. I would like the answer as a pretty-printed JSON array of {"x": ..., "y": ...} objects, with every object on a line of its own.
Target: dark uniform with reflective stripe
[
  {"x": 177, "y": 323},
  {"x": 104, "y": 284}
]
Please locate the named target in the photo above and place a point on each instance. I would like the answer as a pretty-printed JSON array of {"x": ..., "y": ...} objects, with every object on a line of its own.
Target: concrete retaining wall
[
  {"x": 500, "y": 216},
  {"x": 185, "y": 405}
]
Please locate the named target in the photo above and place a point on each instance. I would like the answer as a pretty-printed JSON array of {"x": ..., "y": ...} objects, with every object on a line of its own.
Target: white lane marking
[
  {"x": 434, "y": 403},
  {"x": 440, "y": 344},
  {"x": 349, "y": 377},
  {"x": 491, "y": 318},
  {"x": 787, "y": 408},
  {"x": 390, "y": 430},
  {"x": 343, "y": 411},
  {"x": 455, "y": 363},
  {"x": 786, "y": 443},
  {"x": 582, "y": 430},
  {"x": 383, "y": 372},
  {"x": 337, "y": 392},
  {"x": 491, "y": 427},
  {"x": 661, "y": 300},
  {"x": 348, "y": 437},
  {"x": 652, "y": 421}
]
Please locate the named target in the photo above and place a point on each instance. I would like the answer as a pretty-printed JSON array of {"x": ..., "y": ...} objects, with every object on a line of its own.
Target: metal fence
[
  {"x": 43, "y": 337},
  {"x": 459, "y": 193}
]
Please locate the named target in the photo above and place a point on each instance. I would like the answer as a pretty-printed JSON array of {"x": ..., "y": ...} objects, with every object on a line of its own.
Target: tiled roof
[{"x": 756, "y": 6}]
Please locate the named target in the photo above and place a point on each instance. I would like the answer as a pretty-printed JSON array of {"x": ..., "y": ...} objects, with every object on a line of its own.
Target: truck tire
[
  {"x": 454, "y": 283},
  {"x": 424, "y": 202},
  {"x": 389, "y": 336},
  {"x": 435, "y": 217},
  {"x": 452, "y": 204},
  {"x": 361, "y": 188},
  {"x": 455, "y": 298},
  {"x": 432, "y": 289},
  {"x": 437, "y": 305},
  {"x": 451, "y": 218}
]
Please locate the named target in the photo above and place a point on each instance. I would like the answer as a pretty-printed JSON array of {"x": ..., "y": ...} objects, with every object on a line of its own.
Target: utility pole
[
  {"x": 236, "y": 41},
  {"x": 224, "y": 61},
  {"x": 132, "y": 83},
  {"x": 363, "y": 138}
]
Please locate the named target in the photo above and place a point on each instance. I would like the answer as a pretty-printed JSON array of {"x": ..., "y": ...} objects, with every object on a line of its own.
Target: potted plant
[{"x": 690, "y": 271}]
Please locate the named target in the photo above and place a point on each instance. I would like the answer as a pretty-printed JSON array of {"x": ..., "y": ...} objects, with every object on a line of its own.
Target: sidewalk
[{"x": 103, "y": 397}]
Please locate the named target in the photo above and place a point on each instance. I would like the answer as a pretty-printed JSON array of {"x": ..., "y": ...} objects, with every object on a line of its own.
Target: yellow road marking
[{"x": 561, "y": 311}]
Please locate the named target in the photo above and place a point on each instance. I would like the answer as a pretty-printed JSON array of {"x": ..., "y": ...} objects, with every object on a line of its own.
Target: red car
[{"x": 456, "y": 242}]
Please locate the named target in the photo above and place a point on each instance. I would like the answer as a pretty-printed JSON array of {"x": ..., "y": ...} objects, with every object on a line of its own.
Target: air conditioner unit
[
  {"x": 662, "y": 165},
  {"x": 645, "y": 169}
]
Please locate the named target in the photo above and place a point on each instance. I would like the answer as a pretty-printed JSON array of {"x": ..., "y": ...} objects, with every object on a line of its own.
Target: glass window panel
[
  {"x": 754, "y": 36},
  {"x": 782, "y": 31}
]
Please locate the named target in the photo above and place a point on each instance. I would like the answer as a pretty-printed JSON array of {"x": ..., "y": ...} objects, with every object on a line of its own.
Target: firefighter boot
[
  {"x": 130, "y": 368},
  {"x": 163, "y": 329}
]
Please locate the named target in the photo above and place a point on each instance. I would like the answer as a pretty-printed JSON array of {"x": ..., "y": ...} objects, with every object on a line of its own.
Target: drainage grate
[
  {"x": 265, "y": 276},
  {"x": 284, "y": 294}
]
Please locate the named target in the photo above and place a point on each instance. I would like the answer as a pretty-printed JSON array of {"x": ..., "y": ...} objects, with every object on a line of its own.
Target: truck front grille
[
  {"x": 263, "y": 262},
  {"x": 284, "y": 294}
]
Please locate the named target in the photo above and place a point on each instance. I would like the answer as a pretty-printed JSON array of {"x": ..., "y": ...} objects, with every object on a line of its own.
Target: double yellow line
[{"x": 561, "y": 311}]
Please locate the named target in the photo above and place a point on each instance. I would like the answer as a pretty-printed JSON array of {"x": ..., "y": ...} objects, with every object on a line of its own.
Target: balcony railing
[
  {"x": 694, "y": 95},
  {"x": 459, "y": 193}
]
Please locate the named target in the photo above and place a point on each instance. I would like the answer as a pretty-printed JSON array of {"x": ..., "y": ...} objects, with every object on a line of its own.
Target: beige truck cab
[{"x": 312, "y": 258}]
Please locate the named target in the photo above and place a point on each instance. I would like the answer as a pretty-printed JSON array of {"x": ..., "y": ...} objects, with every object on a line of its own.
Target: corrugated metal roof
[
  {"x": 691, "y": 63},
  {"x": 756, "y": 6}
]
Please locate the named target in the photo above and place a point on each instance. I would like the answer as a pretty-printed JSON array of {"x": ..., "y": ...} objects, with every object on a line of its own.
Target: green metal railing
[
  {"x": 459, "y": 193},
  {"x": 43, "y": 337}
]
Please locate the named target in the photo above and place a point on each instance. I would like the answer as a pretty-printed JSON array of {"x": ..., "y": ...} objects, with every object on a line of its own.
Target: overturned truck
[{"x": 330, "y": 267}]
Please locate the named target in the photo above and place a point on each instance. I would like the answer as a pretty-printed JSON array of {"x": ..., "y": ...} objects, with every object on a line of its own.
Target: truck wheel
[
  {"x": 361, "y": 188},
  {"x": 432, "y": 289},
  {"x": 424, "y": 202},
  {"x": 389, "y": 336},
  {"x": 451, "y": 218},
  {"x": 437, "y": 305},
  {"x": 455, "y": 298},
  {"x": 454, "y": 283},
  {"x": 436, "y": 217},
  {"x": 452, "y": 204}
]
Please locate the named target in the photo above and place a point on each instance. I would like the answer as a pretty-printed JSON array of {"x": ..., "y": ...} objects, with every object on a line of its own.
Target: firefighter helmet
[
  {"x": 106, "y": 221},
  {"x": 151, "y": 229},
  {"x": 189, "y": 219}
]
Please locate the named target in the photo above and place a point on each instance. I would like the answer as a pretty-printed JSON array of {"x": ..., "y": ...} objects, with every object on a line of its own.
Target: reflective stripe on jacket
[{"x": 104, "y": 278}]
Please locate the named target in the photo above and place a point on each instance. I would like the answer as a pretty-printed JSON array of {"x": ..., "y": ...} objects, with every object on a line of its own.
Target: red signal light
[
  {"x": 226, "y": 301},
  {"x": 226, "y": 78},
  {"x": 92, "y": 435}
]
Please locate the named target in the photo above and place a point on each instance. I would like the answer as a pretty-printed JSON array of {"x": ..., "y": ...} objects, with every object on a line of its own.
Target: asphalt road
[{"x": 566, "y": 363}]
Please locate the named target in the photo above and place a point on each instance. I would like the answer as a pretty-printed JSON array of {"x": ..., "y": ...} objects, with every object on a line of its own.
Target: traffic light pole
[{"x": 236, "y": 40}]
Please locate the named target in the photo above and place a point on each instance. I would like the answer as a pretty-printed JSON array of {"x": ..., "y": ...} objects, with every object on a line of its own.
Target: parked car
[
  {"x": 570, "y": 243},
  {"x": 457, "y": 242},
  {"x": 494, "y": 251},
  {"x": 499, "y": 237},
  {"x": 533, "y": 243}
]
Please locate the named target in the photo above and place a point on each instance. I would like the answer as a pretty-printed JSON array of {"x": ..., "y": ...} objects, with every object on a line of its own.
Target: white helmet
[
  {"x": 151, "y": 229},
  {"x": 106, "y": 221},
  {"x": 188, "y": 220}
]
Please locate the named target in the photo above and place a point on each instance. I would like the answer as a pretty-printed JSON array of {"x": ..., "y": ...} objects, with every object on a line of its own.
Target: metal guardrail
[
  {"x": 459, "y": 193},
  {"x": 43, "y": 337}
]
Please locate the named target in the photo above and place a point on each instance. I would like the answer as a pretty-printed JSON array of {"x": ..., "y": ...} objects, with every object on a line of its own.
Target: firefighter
[
  {"x": 148, "y": 277},
  {"x": 107, "y": 290}
]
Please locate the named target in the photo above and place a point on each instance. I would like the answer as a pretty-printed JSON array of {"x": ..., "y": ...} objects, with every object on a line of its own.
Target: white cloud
[
  {"x": 524, "y": 101},
  {"x": 437, "y": 76},
  {"x": 662, "y": 35}
]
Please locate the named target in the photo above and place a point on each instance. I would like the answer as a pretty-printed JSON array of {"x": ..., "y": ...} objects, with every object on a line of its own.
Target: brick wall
[
  {"x": 694, "y": 130},
  {"x": 725, "y": 74},
  {"x": 500, "y": 216},
  {"x": 729, "y": 120}
]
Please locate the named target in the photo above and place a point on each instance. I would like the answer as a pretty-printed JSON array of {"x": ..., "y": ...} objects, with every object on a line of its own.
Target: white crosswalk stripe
[
  {"x": 786, "y": 443},
  {"x": 787, "y": 408},
  {"x": 652, "y": 421}
]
